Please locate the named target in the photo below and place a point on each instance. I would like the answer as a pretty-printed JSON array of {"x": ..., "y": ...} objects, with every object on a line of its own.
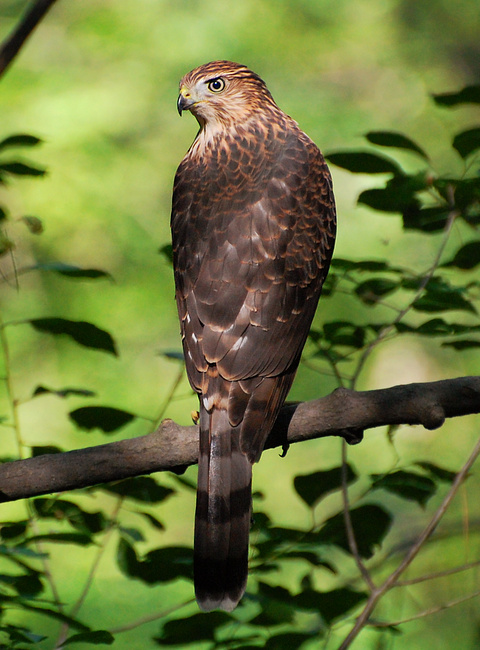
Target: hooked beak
[{"x": 184, "y": 101}]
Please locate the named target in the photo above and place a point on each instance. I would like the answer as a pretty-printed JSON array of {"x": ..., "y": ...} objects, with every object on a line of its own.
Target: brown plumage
[{"x": 253, "y": 226}]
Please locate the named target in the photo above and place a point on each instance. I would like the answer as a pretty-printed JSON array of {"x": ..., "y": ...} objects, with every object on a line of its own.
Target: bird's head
[{"x": 222, "y": 93}]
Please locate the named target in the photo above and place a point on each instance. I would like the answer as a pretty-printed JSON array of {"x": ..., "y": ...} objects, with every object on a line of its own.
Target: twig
[
  {"x": 438, "y": 574},
  {"x": 375, "y": 596},
  {"x": 148, "y": 619},
  {"x": 12, "y": 45}
]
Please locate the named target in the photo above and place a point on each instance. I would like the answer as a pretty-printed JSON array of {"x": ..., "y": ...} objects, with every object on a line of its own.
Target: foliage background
[{"x": 98, "y": 83}]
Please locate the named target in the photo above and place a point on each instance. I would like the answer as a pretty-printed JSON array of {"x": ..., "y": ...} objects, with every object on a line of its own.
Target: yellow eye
[{"x": 216, "y": 85}]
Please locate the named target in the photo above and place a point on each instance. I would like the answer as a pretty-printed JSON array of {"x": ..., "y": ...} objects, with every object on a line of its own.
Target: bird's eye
[{"x": 216, "y": 85}]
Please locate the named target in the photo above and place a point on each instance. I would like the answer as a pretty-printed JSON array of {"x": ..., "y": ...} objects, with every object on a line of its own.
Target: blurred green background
[{"x": 98, "y": 83}]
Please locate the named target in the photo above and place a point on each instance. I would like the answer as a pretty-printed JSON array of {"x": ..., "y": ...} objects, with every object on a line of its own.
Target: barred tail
[{"x": 222, "y": 518}]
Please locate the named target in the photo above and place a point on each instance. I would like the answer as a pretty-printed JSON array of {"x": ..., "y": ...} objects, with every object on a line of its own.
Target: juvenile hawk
[{"x": 253, "y": 226}]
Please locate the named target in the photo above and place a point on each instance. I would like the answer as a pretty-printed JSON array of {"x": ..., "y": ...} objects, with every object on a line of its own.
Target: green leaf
[
  {"x": 19, "y": 140},
  {"x": 81, "y": 332},
  {"x": 64, "y": 538},
  {"x": 313, "y": 487},
  {"x": 393, "y": 139},
  {"x": 46, "y": 449},
  {"x": 277, "y": 606},
  {"x": 467, "y": 257},
  {"x": 62, "y": 392},
  {"x": 371, "y": 291},
  {"x": 439, "y": 327},
  {"x": 362, "y": 162},
  {"x": 425, "y": 219},
  {"x": 11, "y": 530},
  {"x": 468, "y": 95},
  {"x": 398, "y": 195},
  {"x": 407, "y": 485},
  {"x": 99, "y": 637},
  {"x": 144, "y": 489},
  {"x": 467, "y": 142},
  {"x": 330, "y": 604},
  {"x": 440, "y": 296},
  {"x": 462, "y": 345},
  {"x": 290, "y": 640},
  {"x": 193, "y": 629},
  {"x": 167, "y": 251},
  {"x": 34, "y": 224},
  {"x": 156, "y": 523},
  {"x": 81, "y": 520},
  {"x": 21, "y": 169},
  {"x": 70, "y": 271},
  {"x": 437, "y": 472},
  {"x": 344, "y": 333},
  {"x": 106, "y": 418},
  {"x": 370, "y": 523},
  {"x": 160, "y": 565}
]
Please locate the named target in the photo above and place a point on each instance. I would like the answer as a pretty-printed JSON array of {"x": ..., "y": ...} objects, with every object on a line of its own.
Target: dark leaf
[
  {"x": 441, "y": 296},
  {"x": 398, "y": 195},
  {"x": 82, "y": 332},
  {"x": 11, "y": 530},
  {"x": 468, "y": 257},
  {"x": 45, "y": 611},
  {"x": 142, "y": 488},
  {"x": 363, "y": 162},
  {"x": 63, "y": 392},
  {"x": 17, "y": 168},
  {"x": 64, "y": 538},
  {"x": 160, "y": 565},
  {"x": 61, "y": 509},
  {"x": 393, "y": 139},
  {"x": 20, "y": 140},
  {"x": 371, "y": 291},
  {"x": 46, "y": 449},
  {"x": 199, "y": 627},
  {"x": 313, "y": 487},
  {"x": 467, "y": 142},
  {"x": 361, "y": 265},
  {"x": 167, "y": 252},
  {"x": 34, "y": 224},
  {"x": 344, "y": 333},
  {"x": 174, "y": 354},
  {"x": 70, "y": 271},
  {"x": 437, "y": 472},
  {"x": 425, "y": 219},
  {"x": 276, "y": 605},
  {"x": 28, "y": 586},
  {"x": 468, "y": 95},
  {"x": 290, "y": 640},
  {"x": 407, "y": 485},
  {"x": 462, "y": 345},
  {"x": 99, "y": 637},
  {"x": 106, "y": 418},
  {"x": 439, "y": 327},
  {"x": 156, "y": 523},
  {"x": 330, "y": 604},
  {"x": 370, "y": 523}
]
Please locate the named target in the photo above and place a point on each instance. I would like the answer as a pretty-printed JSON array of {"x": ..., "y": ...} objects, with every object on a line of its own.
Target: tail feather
[{"x": 222, "y": 518}]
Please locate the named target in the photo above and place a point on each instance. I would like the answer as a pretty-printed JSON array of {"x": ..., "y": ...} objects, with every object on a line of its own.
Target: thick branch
[
  {"x": 12, "y": 45},
  {"x": 344, "y": 413}
]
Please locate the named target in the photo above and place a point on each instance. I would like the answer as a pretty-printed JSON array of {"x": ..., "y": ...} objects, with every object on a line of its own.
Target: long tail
[{"x": 222, "y": 518}]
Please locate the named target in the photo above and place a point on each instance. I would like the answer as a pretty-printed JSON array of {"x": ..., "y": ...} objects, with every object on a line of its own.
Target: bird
[{"x": 253, "y": 229}]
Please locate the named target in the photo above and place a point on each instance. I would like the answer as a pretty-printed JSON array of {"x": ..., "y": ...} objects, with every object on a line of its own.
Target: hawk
[{"x": 253, "y": 229}]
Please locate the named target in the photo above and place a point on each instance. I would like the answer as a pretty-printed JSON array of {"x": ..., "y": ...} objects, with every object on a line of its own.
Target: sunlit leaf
[
  {"x": 313, "y": 487},
  {"x": 408, "y": 485},
  {"x": 393, "y": 139},
  {"x": 81, "y": 332},
  {"x": 468, "y": 95},
  {"x": 363, "y": 162},
  {"x": 370, "y": 524},
  {"x": 467, "y": 142},
  {"x": 106, "y": 418}
]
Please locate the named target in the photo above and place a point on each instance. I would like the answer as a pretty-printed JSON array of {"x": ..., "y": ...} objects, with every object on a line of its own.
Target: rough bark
[{"x": 344, "y": 413}]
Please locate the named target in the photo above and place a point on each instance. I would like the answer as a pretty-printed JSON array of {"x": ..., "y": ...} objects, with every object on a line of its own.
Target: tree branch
[
  {"x": 344, "y": 413},
  {"x": 12, "y": 45}
]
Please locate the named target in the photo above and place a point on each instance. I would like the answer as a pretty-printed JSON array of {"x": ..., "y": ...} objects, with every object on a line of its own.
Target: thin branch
[
  {"x": 362, "y": 620},
  {"x": 150, "y": 618},
  {"x": 12, "y": 45},
  {"x": 438, "y": 574},
  {"x": 427, "y": 612}
]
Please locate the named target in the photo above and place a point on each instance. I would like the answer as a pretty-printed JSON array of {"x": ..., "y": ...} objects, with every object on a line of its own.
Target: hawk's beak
[{"x": 184, "y": 101}]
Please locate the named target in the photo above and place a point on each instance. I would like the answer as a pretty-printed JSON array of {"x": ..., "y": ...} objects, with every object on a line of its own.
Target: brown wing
[{"x": 253, "y": 232}]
